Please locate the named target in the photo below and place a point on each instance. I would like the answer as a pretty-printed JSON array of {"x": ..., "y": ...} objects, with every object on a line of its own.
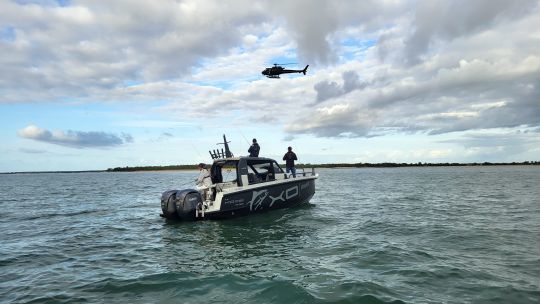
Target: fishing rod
[
  {"x": 247, "y": 141},
  {"x": 195, "y": 148}
]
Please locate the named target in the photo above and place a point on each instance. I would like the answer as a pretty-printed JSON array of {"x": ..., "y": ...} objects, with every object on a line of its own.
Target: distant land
[{"x": 336, "y": 165}]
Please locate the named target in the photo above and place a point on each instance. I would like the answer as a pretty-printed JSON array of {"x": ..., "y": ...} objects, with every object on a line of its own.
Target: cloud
[
  {"x": 326, "y": 89},
  {"x": 32, "y": 151},
  {"x": 477, "y": 140},
  {"x": 310, "y": 26},
  {"x": 315, "y": 25},
  {"x": 339, "y": 120},
  {"x": 475, "y": 65},
  {"x": 87, "y": 46},
  {"x": 84, "y": 49},
  {"x": 448, "y": 20},
  {"x": 75, "y": 139},
  {"x": 501, "y": 145},
  {"x": 289, "y": 138},
  {"x": 475, "y": 94}
]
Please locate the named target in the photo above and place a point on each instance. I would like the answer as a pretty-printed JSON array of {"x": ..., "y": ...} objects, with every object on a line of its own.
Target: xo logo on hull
[{"x": 259, "y": 197}]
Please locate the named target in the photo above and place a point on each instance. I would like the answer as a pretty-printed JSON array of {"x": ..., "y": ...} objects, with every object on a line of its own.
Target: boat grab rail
[{"x": 303, "y": 173}]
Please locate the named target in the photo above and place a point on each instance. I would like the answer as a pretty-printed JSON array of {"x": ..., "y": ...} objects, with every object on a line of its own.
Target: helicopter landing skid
[{"x": 273, "y": 76}]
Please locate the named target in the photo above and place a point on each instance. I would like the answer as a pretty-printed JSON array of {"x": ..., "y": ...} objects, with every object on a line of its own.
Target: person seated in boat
[
  {"x": 254, "y": 149},
  {"x": 203, "y": 181}
]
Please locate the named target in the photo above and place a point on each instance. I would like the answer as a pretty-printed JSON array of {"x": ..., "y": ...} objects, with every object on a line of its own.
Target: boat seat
[{"x": 253, "y": 179}]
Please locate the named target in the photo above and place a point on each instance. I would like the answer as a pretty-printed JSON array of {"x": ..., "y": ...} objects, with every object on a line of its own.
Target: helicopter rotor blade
[{"x": 288, "y": 63}]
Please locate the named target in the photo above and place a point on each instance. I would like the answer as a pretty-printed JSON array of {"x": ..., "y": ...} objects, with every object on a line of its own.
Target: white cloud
[
  {"x": 33, "y": 132},
  {"x": 338, "y": 120},
  {"x": 430, "y": 66},
  {"x": 76, "y": 51},
  {"x": 75, "y": 139},
  {"x": 32, "y": 151},
  {"x": 444, "y": 20}
]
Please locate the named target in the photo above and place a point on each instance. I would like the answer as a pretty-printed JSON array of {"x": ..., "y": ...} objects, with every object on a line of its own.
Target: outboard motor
[{"x": 180, "y": 204}]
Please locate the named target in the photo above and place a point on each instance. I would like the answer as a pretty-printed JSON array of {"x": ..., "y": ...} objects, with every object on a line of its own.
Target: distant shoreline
[{"x": 326, "y": 166}]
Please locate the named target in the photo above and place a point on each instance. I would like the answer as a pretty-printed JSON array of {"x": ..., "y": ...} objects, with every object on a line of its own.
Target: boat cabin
[{"x": 244, "y": 171}]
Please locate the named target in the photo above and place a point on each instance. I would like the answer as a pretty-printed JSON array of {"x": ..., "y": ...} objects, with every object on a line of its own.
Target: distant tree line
[
  {"x": 152, "y": 168},
  {"x": 419, "y": 164},
  {"x": 337, "y": 165}
]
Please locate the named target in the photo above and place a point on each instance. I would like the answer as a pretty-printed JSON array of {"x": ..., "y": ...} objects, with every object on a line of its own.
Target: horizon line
[{"x": 325, "y": 165}]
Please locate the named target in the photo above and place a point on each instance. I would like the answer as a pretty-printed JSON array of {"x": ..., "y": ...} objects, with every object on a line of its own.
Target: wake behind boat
[{"x": 240, "y": 186}]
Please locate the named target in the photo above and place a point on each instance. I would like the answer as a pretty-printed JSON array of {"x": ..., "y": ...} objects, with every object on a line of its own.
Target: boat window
[
  {"x": 224, "y": 172},
  {"x": 261, "y": 168},
  {"x": 253, "y": 176},
  {"x": 263, "y": 171},
  {"x": 229, "y": 173},
  {"x": 277, "y": 168}
]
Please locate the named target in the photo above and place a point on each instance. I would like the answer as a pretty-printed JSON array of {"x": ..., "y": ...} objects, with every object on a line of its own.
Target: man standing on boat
[
  {"x": 254, "y": 149},
  {"x": 289, "y": 159}
]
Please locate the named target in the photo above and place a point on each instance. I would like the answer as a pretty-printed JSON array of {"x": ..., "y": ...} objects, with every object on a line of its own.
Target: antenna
[
  {"x": 222, "y": 154},
  {"x": 227, "y": 150}
]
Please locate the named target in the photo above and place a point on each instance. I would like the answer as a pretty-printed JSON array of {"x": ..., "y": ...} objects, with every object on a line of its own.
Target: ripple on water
[{"x": 403, "y": 235}]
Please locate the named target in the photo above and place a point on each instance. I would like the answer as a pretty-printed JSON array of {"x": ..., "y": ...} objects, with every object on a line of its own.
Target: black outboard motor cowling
[{"x": 180, "y": 204}]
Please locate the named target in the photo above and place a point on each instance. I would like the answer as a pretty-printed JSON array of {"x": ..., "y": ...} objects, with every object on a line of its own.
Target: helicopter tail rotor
[{"x": 305, "y": 69}]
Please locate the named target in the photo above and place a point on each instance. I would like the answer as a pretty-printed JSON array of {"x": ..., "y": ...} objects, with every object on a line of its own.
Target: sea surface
[{"x": 373, "y": 235}]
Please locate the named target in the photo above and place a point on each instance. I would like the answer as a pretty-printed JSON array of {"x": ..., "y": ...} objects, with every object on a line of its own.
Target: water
[{"x": 396, "y": 235}]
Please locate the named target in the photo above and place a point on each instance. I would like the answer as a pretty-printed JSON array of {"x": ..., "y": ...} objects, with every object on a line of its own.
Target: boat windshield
[
  {"x": 257, "y": 170},
  {"x": 262, "y": 170}
]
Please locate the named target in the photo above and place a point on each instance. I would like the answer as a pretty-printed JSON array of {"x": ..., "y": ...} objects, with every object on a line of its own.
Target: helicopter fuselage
[{"x": 277, "y": 70}]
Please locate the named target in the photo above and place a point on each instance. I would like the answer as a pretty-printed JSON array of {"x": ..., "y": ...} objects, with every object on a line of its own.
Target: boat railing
[{"x": 301, "y": 172}]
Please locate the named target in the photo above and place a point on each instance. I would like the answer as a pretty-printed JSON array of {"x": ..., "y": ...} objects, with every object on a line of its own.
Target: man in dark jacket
[
  {"x": 289, "y": 159},
  {"x": 254, "y": 149}
]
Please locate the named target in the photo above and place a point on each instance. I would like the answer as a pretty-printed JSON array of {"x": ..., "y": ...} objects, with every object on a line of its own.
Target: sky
[{"x": 91, "y": 85}]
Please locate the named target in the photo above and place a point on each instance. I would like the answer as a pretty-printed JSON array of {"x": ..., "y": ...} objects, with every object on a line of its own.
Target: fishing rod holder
[
  {"x": 216, "y": 154},
  {"x": 223, "y": 153}
]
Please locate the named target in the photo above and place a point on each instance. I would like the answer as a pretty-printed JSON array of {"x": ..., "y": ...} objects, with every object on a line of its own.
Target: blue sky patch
[
  {"x": 44, "y": 2},
  {"x": 7, "y": 34}
]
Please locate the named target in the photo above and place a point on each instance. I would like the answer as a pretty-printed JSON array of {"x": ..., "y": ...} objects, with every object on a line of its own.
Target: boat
[{"x": 240, "y": 186}]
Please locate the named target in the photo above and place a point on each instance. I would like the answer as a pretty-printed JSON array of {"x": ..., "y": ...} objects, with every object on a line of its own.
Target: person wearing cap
[
  {"x": 254, "y": 149},
  {"x": 203, "y": 180},
  {"x": 289, "y": 159}
]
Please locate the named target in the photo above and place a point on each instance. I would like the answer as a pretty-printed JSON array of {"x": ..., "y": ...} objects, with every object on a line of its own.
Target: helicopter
[{"x": 277, "y": 70}]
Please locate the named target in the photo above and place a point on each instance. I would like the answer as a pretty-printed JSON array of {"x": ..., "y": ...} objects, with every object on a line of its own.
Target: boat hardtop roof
[
  {"x": 222, "y": 156},
  {"x": 247, "y": 158}
]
